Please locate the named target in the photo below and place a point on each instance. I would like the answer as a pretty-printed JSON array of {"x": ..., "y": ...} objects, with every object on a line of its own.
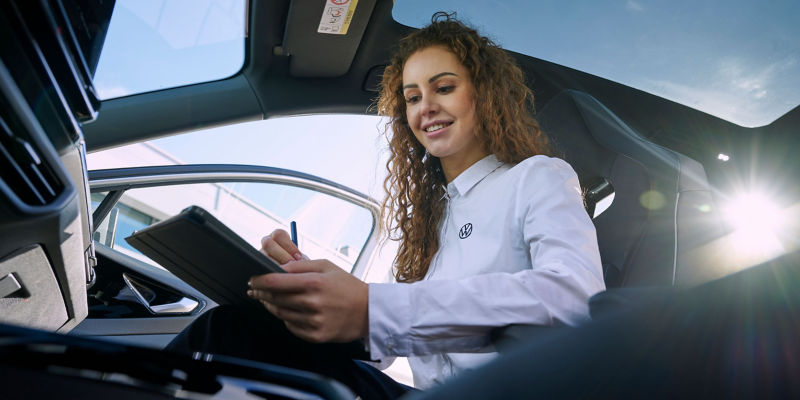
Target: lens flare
[
  {"x": 761, "y": 231},
  {"x": 758, "y": 224},
  {"x": 753, "y": 212}
]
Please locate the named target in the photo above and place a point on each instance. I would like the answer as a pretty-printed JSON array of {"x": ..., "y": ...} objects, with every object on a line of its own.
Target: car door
[{"x": 136, "y": 301}]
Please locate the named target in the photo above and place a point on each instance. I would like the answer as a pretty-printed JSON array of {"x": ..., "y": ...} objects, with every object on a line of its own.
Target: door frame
[{"x": 122, "y": 179}]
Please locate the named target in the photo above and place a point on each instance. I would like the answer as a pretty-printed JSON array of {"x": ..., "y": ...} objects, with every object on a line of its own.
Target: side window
[{"x": 328, "y": 227}]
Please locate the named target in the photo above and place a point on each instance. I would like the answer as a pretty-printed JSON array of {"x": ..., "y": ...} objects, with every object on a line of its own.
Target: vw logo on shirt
[{"x": 465, "y": 231}]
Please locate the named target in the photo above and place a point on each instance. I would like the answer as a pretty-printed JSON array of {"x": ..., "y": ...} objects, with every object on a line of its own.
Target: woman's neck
[{"x": 454, "y": 165}]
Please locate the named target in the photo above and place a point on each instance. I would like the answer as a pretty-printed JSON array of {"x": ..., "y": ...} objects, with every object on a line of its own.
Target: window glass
[
  {"x": 736, "y": 60},
  {"x": 328, "y": 227},
  {"x": 160, "y": 44},
  {"x": 129, "y": 220},
  {"x": 346, "y": 149}
]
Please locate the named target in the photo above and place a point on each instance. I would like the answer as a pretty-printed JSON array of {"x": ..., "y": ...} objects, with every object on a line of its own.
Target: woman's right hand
[{"x": 278, "y": 246}]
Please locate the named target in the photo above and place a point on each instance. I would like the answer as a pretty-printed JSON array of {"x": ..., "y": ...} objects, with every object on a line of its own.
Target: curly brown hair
[{"x": 415, "y": 185}]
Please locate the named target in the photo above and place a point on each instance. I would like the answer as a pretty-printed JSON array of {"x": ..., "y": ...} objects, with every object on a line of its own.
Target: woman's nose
[{"x": 428, "y": 106}]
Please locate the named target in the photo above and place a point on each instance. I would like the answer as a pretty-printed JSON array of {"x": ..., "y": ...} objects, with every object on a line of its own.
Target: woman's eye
[
  {"x": 446, "y": 89},
  {"x": 412, "y": 99}
]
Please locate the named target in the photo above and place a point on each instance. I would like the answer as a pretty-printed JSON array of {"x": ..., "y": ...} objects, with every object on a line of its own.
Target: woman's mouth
[{"x": 437, "y": 127}]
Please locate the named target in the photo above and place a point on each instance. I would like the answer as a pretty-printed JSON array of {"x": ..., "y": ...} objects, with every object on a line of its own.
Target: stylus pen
[{"x": 293, "y": 226}]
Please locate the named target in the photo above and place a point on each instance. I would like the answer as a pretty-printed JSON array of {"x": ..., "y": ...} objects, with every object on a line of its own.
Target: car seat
[
  {"x": 662, "y": 228},
  {"x": 659, "y": 227}
]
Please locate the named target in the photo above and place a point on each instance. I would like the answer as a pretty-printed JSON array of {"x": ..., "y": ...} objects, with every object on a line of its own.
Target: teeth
[{"x": 434, "y": 128}]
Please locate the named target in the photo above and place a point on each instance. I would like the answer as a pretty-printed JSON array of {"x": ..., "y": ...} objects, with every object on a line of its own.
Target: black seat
[
  {"x": 658, "y": 229},
  {"x": 662, "y": 228}
]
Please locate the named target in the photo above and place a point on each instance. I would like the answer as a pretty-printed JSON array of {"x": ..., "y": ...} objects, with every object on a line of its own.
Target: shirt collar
[{"x": 474, "y": 174}]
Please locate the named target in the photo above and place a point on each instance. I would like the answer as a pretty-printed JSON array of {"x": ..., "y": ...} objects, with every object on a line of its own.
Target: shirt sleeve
[{"x": 440, "y": 316}]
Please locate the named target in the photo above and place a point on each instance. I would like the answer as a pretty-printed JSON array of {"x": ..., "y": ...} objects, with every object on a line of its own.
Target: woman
[{"x": 492, "y": 232}]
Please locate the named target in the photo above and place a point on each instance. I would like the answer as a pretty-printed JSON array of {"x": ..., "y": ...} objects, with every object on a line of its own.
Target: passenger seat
[
  {"x": 662, "y": 228},
  {"x": 662, "y": 217}
]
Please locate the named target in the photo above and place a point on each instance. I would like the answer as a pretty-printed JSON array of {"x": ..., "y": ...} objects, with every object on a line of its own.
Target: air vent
[{"x": 21, "y": 167}]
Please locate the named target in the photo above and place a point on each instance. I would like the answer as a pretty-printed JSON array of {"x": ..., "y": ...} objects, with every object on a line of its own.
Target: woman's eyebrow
[
  {"x": 431, "y": 80},
  {"x": 437, "y": 76}
]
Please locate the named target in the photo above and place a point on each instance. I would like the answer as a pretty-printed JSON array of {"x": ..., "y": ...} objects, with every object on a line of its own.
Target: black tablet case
[{"x": 200, "y": 250}]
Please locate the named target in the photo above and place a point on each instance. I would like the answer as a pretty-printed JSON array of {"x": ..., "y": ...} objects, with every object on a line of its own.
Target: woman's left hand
[{"x": 318, "y": 301}]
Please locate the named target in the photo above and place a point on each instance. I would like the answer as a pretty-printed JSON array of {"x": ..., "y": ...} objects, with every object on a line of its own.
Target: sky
[{"x": 158, "y": 44}]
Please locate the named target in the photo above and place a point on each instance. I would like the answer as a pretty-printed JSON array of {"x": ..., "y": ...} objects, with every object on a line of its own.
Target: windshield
[
  {"x": 737, "y": 60},
  {"x": 159, "y": 44}
]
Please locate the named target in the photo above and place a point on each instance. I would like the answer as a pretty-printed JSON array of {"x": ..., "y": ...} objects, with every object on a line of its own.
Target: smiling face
[{"x": 439, "y": 108}]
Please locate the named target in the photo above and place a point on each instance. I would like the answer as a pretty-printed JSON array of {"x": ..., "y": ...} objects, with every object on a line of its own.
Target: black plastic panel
[
  {"x": 55, "y": 189},
  {"x": 48, "y": 27},
  {"x": 90, "y": 369},
  {"x": 112, "y": 263},
  {"x": 29, "y": 67},
  {"x": 151, "y": 341}
]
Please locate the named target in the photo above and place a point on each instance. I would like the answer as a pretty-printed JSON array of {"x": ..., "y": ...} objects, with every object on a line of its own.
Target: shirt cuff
[{"x": 389, "y": 320}]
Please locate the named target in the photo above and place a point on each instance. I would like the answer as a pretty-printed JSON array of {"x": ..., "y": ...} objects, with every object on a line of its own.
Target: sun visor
[{"x": 322, "y": 36}]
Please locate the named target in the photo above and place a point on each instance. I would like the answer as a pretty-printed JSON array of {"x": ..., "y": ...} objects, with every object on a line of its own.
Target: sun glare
[
  {"x": 753, "y": 212},
  {"x": 758, "y": 223}
]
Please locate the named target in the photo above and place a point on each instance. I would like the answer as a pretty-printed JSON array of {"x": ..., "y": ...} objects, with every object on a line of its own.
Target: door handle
[
  {"x": 145, "y": 295},
  {"x": 182, "y": 306}
]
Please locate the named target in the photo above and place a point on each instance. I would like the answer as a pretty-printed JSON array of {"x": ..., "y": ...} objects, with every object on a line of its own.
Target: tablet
[{"x": 200, "y": 250}]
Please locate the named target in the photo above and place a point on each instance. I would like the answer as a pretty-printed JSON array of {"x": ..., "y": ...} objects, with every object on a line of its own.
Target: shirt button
[{"x": 390, "y": 344}]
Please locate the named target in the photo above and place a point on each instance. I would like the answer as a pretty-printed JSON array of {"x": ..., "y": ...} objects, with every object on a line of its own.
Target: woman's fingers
[
  {"x": 273, "y": 249},
  {"x": 284, "y": 241},
  {"x": 302, "y": 276},
  {"x": 287, "y": 314},
  {"x": 296, "y": 301},
  {"x": 317, "y": 300}
]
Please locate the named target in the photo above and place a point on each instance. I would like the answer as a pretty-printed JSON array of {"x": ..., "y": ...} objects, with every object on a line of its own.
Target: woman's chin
[{"x": 438, "y": 153}]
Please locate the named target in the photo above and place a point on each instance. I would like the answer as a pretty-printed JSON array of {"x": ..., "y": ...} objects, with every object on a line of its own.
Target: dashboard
[{"x": 46, "y": 95}]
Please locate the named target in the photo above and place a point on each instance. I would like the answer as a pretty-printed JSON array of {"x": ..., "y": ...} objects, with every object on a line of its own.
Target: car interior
[{"x": 75, "y": 312}]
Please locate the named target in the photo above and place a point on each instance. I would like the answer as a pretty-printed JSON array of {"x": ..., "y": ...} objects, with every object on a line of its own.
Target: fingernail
[
  {"x": 298, "y": 256},
  {"x": 250, "y": 283},
  {"x": 249, "y": 293}
]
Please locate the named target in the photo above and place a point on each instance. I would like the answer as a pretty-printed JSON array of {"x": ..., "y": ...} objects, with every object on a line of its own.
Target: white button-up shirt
[{"x": 516, "y": 247}]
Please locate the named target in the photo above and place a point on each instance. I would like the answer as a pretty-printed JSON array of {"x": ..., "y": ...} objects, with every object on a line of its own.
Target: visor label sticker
[{"x": 336, "y": 16}]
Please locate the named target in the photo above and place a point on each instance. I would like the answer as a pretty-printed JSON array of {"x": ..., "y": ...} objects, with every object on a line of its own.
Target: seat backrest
[{"x": 662, "y": 215}]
